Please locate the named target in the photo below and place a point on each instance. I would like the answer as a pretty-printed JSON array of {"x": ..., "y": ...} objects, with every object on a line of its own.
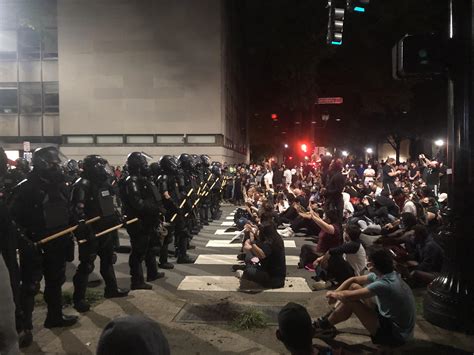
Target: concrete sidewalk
[{"x": 212, "y": 338}]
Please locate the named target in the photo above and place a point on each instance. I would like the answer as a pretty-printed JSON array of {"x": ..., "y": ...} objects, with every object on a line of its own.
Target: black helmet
[
  {"x": 22, "y": 165},
  {"x": 169, "y": 164},
  {"x": 196, "y": 160},
  {"x": 72, "y": 167},
  {"x": 137, "y": 163},
  {"x": 43, "y": 158},
  {"x": 96, "y": 168},
  {"x": 216, "y": 170},
  {"x": 155, "y": 169},
  {"x": 206, "y": 160},
  {"x": 186, "y": 162}
]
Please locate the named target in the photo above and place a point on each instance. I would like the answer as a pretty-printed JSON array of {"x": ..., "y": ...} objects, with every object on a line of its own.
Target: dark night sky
[{"x": 289, "y": 64}]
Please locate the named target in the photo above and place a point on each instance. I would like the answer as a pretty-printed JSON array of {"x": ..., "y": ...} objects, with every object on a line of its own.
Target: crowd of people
[
  {"x": 374, "y": 232},
  {"x": 61, "y": 203},
  {"x": 373, "y": 229}
]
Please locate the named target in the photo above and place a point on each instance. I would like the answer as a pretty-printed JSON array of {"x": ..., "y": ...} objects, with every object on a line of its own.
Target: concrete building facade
[{"x": 159, "y": 76}]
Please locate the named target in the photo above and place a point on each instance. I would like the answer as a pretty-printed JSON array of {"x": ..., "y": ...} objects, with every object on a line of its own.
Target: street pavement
[{"x": 208, "y": 283}]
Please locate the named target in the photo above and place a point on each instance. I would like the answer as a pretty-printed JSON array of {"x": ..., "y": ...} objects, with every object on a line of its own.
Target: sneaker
[
  {"x": 287, "y": 233},
  {"x": 324, "y": 329},
  {"x": 286, "y": 225},
  {"x": 239, "y": 274},
  {"x": 321, "y": 285},
  {"x": 238, "y": 267}
]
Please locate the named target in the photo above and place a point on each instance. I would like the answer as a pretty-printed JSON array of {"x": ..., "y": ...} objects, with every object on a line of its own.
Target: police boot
[
  {"x": 185, "y": 259},
  {"x": 141, "y": 286},
  {"x": 117, "y": 293},
  {"x": 60, "y": 321},
  {"x": 25, "y": 339},
  {"x": 167, "y": 266},
  {"x": 81, "y": 306}
]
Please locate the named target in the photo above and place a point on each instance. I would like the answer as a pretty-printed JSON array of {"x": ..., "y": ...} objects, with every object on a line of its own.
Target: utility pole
[{"x": 450, "y": 298}]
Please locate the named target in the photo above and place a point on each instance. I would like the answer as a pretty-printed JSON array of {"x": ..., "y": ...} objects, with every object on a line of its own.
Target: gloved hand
[{"x": 83, "y": 231}]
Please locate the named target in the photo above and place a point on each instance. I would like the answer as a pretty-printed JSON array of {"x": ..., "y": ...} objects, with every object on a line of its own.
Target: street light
[
  {"x": 286, "y": 145},
  {"x": 439, "y": 143},
  {"x": 369, "y": 150},
  {"x": 345, "y": 153}
]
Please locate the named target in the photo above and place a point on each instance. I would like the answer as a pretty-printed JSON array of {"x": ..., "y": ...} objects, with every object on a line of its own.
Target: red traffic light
[{"x": 274, "y": 116}]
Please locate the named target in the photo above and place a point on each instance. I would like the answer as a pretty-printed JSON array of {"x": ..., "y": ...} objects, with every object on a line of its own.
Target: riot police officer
[
  {"x": 9, "y": 244},
  {"x": 173, "y": 190},
  {"x": 92, "y": 196},
  {"x": 140, "y": 198},
  {"x": 22, "y": 168},
  {"x": 215, "y": 193},
  {"x": 41, "y": 208},
  {"x": 72, "y": 171}
]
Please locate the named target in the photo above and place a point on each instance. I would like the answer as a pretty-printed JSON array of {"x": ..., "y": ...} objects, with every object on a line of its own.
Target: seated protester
[
  {"x": 291, "y": 212},
  {"x": 300, "y": 222},
  {"x": 133, "y": 335},
  {"x": 429, "y": 257},
  {"x": 281, "y": 204},
  {"x": 399, "y": 231},
  {"x": 341, "y": 262},
  {"x": 384, "y": 200},
  {"x": 329, "y": 236},
  {"x": 265, "y": 244},
  {"x": 392, "y": 322},
  {"x": 244, "y": 215},
  {"x": 348, "y": 207}
]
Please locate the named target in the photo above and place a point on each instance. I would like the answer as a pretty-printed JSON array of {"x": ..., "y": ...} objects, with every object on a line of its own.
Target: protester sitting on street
[
  {"x": 392, "y": 322},
  {"x": 329, "y": 236},
  {"x": 428, "y": 259},
  {"x": 341, "y": 262},
  {"x": 133, "y": 335},
  {"x": 301, "y": 222},
  {"x": 265, "y": 261},
  {"x": 291, "y": 213}
]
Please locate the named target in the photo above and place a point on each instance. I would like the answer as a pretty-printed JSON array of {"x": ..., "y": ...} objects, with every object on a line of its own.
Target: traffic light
[
  {"x": 418, "y": 56},
  {"x": 357, "y": 5},
  {"x": 274, "y": 117},
  {"x": 304, "y": 148},
  {"x": 337, "y": 9}
]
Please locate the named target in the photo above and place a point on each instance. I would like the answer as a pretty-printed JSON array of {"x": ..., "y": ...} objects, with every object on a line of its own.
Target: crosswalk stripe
[
  {"x": 229, "y": 218},
  {"x": 227, "y": 259},
  {"x": 217, "y": 243},
  {"x": 223, "y": 232},
  {"x": 232, "y": 284},
  {"x": 228, "y": 224},
  {"x": 231, "y": 214}
]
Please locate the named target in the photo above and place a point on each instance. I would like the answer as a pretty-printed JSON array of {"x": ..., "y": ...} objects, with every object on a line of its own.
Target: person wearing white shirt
[
  {"x": 287, "y": 175},
  {"x": 369, "y": 175}
]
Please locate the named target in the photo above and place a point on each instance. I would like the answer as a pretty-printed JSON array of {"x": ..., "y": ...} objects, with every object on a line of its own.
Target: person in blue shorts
[{"x": 391, "y": 320}]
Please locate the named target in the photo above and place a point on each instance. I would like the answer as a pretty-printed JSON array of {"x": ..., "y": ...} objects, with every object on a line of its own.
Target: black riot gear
[
  {"x": 96, "y": 168},
  {"x": 206, "y": 160},
  {"x": 186, "y": 162},
  {"x": 137, "y": 164},
  {"x": 3, "y": 162},
  {"x": 92, "y": 196},
  {"x": 22, "y": 165},
  {"x": 169, "y": 164},
  {"x": 41, "y": 208},
  {"x": 155, "y": 169}
]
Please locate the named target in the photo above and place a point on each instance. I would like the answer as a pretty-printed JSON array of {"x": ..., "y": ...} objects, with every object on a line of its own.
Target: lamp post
[{"x": 449, "y": 302}]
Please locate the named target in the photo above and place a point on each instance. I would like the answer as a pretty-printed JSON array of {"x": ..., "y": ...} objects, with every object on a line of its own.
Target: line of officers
[{"x": 46, "y": 211}]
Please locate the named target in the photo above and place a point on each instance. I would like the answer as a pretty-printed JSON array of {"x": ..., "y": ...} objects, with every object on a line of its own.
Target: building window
[
  {"x": 170, "y": 139},
  {"x": 80, "y": 139},
  {"x": 8, "y": 45},
  {"x": 8, "y": 99},
  {"x": 29, "y": 46},
  {"x": 30, "y": 97},
  {"x": 109, "y": 139},
  {"x": 50, "y": 43},
  {"x": 51, "y": 97},
  {"x": 209, "y": 139},
  {"x": 140, "y": 139}
]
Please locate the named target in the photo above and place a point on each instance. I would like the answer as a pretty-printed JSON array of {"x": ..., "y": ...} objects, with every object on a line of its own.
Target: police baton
[
  {"x": 111, "y": 229},
  {"x": 182, "y": 203},
  {"x": 65, "y": 231}
]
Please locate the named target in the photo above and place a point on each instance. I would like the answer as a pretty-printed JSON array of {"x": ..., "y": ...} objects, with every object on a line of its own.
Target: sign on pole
[
  {"x": 330, "y": 100},
  {"x": 26, "y": 146}
]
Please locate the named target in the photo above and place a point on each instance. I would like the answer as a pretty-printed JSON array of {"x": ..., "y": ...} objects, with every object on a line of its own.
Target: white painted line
[
  {"x": 231, "y": 214},
  {"x": 232, "y": 284},
  {"x": 216, "y": 243},
  {"x": 223, "y": 232},
  {"x": 228, "y": 224},
  {"x": 226, "y": 259},
  {"x": 229, "y": 218}
]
